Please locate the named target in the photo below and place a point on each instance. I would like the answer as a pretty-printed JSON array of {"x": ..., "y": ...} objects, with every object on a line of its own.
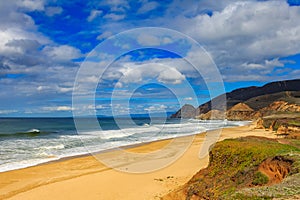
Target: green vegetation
[
  {"x": 294, "y": 142},
  {"x": 260, "y": 179},
  {"x": 234, "y": 166},
  {"x": 294, "y": 122},
  {"x": 245, "y": 197},
  {"x": 238, "y": 155}
]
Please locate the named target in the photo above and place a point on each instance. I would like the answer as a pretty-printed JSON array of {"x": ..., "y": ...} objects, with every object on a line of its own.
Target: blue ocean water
[{"x": 30, "y": 141}]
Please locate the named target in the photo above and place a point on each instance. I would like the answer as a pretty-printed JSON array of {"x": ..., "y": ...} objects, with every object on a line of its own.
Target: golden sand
[{"x": 86, "y": 178}]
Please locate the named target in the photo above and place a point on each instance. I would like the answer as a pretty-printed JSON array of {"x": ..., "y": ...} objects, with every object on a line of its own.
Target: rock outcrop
[
  {"x": 286, "y": 129},
  {"x": 240, "y": 111},
  {"x": 212, "y": 115},
  {"x": 281, "y": 117},
  {"x": 279, "y": 107},
  {"x": 187, "y": 111},
  {"x": 282, "y": 123}
]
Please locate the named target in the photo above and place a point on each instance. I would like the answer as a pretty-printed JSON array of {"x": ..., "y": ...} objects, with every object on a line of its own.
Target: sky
[{"x": 60, "y": 57}]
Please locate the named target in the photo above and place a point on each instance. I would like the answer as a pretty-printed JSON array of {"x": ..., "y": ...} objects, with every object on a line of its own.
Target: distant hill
[
  {"x": 255, "y": 97},
  {"x": 262, "y": 101},
  {"x": 187, "y": 111}
]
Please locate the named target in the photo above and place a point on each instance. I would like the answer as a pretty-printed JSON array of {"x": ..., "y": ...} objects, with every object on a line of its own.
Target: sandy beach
[{"x": 86, "y": 178}]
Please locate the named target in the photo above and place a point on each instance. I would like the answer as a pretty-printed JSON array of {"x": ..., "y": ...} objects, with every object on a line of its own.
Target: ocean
[{"x": 27, "y": 142}]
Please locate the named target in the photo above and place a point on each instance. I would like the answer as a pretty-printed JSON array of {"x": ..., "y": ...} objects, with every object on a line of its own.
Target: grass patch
[
  {"x": 245, "y": 197},
  {"x": 260, "y": 179},
  {"x": 294, "y": 142},
  {"x": 294, "y": 122}
]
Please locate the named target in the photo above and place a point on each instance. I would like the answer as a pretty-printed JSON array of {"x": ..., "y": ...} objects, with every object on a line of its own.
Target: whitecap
[
  {"x": 34, "y": 130},
  {"x": 59, "y": 146}
]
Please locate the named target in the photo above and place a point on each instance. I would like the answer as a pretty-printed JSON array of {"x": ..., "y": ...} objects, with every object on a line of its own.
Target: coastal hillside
[
  {"x": 246, "y": 168},
  {"x": 254, "y": 97}
]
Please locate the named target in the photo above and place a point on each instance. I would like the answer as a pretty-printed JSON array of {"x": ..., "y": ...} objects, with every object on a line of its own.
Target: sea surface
[{"x": 26, "y": 142}]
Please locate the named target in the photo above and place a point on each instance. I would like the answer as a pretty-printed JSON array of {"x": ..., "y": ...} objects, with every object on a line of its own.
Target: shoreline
[
  {"x": 124, "y": 147},
  {"x": 70, "y": 172}
]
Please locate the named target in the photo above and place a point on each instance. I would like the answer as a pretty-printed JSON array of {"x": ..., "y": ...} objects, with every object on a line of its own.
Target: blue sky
[{"x": 45, "y": 42}]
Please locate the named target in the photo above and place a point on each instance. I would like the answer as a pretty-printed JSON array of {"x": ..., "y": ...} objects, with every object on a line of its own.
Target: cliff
[
  {"x": 281, "y": 117},
  {"x": 239, "y": 165},
  {"x": 212, "y": 115},
  {"x": 241, "y": 111},
  {"x": 280, "y": 107}
]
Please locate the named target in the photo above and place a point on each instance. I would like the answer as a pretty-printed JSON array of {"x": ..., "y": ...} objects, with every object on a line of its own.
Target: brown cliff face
[
  {"x": 240, "y": 111},
  {"x": 279, "y": 107},
  {"x": 286, "y": 129},
  {"x": 212, "y": 115},
  {"x": 280, "y": 116},
  {"x": 276, "y": 169},
  {"x": 241, "y": 107},
  {"x": 286, "y": 123}
]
